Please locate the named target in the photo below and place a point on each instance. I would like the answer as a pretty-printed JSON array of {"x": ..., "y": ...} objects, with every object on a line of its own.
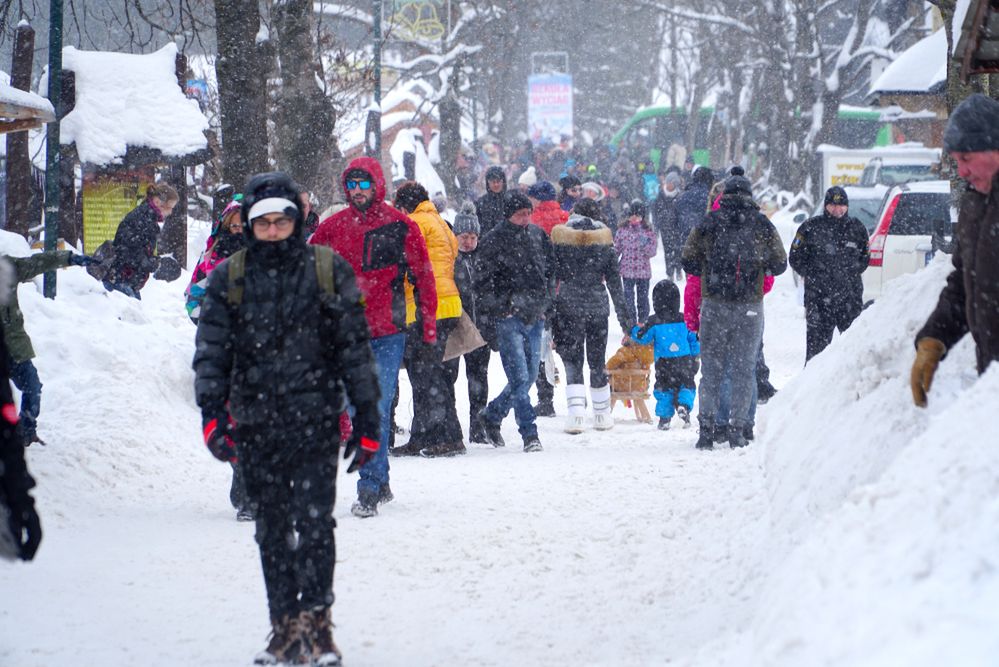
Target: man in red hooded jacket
[{"x": 383, "y": 246}]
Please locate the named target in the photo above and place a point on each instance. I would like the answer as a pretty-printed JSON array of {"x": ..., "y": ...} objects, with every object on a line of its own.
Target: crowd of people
[{"x": 302, "y": 333}]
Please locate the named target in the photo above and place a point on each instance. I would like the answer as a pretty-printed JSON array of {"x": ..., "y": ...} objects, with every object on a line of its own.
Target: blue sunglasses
[{"x": 353, "y": 185}]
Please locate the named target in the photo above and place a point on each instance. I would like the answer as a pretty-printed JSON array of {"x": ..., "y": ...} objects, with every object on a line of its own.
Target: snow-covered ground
[{"x": 856, "y": 530}]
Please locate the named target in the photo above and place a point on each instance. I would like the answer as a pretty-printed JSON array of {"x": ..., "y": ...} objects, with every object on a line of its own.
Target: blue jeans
[
  {"x": 520, "y": 352},
  {"x": 24, "y": 375},
  {"x": 388, "y": 351}
]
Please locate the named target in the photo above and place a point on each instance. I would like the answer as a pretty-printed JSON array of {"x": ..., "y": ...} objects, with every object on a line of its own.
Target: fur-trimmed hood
[{"x": 582, "y": 231}]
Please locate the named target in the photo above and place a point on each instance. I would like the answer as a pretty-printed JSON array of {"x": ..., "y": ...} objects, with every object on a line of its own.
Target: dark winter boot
[
  {"x": 663, "y": 423},
  {"x": 324, "y": 651},
  {"x": 385, "y": 495},
  {"x": 683, "y": 412},
  {"x": 409, "y": 449},
  {"x": 288, "y": 645},
  {"x": 493, "y": 434},
  {"x": 736, "y": 437},
  {"x": 706, "y": 436},
  {"x": 544, "y": 409},
  {"x": 443, "y": 449},
  {"x": 365, "y": 506},
  {"x": 747, "y": 432}
]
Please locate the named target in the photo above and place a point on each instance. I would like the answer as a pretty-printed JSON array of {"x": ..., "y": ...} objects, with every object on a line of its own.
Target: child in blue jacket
[{"x": 676, "y": 353}]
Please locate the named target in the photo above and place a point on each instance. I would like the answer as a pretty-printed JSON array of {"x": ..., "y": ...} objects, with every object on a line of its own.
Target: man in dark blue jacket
[{"x": 515, "y": 286}]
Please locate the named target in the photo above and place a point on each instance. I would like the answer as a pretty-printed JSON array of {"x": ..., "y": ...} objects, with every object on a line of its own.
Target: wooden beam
[
  {"x": 19, "y": 125},
  {"x": 17, "y": 112}
]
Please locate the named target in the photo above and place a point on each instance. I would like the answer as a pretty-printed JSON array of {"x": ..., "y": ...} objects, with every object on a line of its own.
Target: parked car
[
  {"x": 915, "y": 221},
  {"x": 895, "y": 169}
]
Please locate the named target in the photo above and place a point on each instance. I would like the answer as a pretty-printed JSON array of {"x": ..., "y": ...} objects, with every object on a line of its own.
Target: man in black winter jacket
[
  {"x": 830, "y": 251},
  {"x": 489, "y": 207},
  {"x": 282, "y": 334},
  {"x": 515, "y": 286}
]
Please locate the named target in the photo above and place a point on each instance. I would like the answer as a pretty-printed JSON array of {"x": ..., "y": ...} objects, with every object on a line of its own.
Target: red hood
[{"x": 370, "y": 165}]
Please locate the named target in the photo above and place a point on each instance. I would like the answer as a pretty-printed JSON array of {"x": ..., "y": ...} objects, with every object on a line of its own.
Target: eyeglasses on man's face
[
  {"x": 353, "y": 185},
  {"x": 262, "y": 223}
]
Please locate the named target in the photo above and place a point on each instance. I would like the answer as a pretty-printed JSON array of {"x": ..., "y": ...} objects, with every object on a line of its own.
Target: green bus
[{"x": 653, "y": 129}]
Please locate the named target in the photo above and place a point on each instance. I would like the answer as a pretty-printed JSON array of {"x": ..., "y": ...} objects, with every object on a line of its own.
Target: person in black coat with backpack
[{"x": 281, "y": 338}]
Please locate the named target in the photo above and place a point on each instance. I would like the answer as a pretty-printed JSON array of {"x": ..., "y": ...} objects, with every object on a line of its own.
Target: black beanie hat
[
  {"x": 638, "y": 207},
  {"x": 515, "y": 201},
  {"x": 737, "y": 183},
  {"x": 666, "y": 301},
  {"x": 271, "y": 185},
  {"x": 837, "y": 196},
  {"x": 973, "y": 126}
]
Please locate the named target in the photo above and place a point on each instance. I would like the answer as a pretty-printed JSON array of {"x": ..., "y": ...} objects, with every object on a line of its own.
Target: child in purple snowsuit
[{"x": 636, "y": 245}]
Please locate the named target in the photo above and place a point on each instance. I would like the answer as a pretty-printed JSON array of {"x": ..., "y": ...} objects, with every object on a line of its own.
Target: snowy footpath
[{"x": 856, "y": 530}]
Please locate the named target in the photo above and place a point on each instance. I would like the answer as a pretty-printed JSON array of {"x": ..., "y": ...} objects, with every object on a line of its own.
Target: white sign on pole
[{"x": 549, "y": 107}]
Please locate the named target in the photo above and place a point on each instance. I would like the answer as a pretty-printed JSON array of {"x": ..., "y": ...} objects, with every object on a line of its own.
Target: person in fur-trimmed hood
[{"x": 586, "y": 269}]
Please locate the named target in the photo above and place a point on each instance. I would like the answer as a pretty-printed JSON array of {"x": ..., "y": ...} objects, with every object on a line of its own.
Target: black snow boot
[
  {"x": 494, "y": 436},
  {"x": 736, "y": 437},
  {"x": 706, "y": 435}
]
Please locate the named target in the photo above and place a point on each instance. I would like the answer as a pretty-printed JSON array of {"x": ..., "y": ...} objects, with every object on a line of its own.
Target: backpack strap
[
  {"x": 237, "y": 270},
  {"x": 324, "y": 268}
]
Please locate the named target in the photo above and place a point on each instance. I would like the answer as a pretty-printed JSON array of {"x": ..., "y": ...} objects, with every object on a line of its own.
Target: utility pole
[
  {"x": 52, "y": 141},
  {"x": 373, "y": 128}
]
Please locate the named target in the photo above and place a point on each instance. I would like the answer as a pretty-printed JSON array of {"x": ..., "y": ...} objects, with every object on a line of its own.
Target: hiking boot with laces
[
  {"x": 288, "y": 644},
  {"x": 324, "y": 650}
]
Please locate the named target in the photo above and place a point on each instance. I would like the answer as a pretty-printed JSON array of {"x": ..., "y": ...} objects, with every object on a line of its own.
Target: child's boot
[
  {"x": 683, "y": 412},
  {"x": 664, "y": 423},
  {"x": 575, "y": 395}
]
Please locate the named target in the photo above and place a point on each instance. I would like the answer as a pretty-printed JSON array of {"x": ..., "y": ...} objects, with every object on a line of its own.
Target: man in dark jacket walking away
[
  {"x": 731, "y": 250},
  {"x": 489, "y": 207},
  {"x": 383, "y": 246},
  {"x": 692, "y": 204},
  {"x": 516, "y": 283},
  {"x": 282, "y": 334},
  {"x": 969, "y": 302},
  {"x": 830, "y": 251}
]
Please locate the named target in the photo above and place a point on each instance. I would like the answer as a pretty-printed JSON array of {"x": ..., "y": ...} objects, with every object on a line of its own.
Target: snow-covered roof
[
  {"x": 127, "y": 100},
  {"x": 920, "y": 69}
]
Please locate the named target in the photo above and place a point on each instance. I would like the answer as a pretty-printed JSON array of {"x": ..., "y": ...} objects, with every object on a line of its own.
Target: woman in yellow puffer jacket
[{"x": 435, "y": 430}]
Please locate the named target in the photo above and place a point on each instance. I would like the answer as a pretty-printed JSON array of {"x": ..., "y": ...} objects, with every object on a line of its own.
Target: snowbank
[{"x": 882, "y": 546}]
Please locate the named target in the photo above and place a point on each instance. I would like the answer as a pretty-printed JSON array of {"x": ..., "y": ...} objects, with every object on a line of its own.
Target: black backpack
[{"x": 734, "y": 268}]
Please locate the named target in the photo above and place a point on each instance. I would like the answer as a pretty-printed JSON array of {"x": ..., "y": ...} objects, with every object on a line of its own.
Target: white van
[{"x": 916, "y": 220}]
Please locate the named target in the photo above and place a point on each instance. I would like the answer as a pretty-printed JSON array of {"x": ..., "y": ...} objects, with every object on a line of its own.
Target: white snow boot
[
  {"x": 603, "y": 420},
  {"x": 575, "y": 396}
]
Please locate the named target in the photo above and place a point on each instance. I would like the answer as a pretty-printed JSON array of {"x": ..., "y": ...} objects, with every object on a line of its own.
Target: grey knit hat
[
  {"x": 466, "y": 221},
  {"x": 973, "y": 126}
]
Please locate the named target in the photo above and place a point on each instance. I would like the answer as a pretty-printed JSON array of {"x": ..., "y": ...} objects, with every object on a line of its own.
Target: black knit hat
[
  {"x": 836, "y": 196},
  {"x": 737, "y": 183},
  {"x": 275, "y": 186},
  {"x": 515, "y": 201},
  {"x": 638, "y": 207},
  {"x": 973, "y": 126}
]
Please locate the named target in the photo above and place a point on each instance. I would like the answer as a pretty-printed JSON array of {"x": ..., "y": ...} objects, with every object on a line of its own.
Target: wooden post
[
  {"x": 19, "y": 188},
  {"x": 173, "y": 239}
]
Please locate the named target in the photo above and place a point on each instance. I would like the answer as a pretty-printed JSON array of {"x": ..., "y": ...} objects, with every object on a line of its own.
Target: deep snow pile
[{"x": 856, "y": 530}]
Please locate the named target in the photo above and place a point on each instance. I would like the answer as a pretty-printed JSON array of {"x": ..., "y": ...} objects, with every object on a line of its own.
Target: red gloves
[
  {"x": 361, "y": 448},
  {"x": 218, "y": 441}
]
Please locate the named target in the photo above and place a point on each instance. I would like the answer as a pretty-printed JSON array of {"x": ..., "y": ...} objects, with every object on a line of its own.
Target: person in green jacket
[{"x": 23, "y": 373}]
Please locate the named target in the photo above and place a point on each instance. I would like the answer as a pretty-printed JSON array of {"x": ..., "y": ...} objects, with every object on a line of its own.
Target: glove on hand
[
  {"x": 218, "y": 441},
  {"x": 25, "y": 526},
  {"x": 929, "y": 352},
  {"x": 83, "y": 260},
  {"x": 361, "y": 448}
]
